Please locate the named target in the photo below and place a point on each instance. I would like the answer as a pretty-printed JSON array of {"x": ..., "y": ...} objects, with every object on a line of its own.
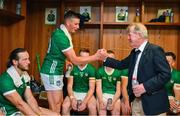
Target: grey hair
[{"x": 139, "y": 28}]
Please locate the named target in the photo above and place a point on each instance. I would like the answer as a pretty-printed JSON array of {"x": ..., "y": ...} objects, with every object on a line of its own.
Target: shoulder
[
  {"x": 154, "y": 47},
  {"x": 5, "y": 77},
  {"x": 58, "y": 33},
  {"x": 91, "y": 66}
]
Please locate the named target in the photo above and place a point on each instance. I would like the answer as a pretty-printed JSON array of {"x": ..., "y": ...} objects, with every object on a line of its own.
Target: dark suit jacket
[{"x": 153, "y": 71}]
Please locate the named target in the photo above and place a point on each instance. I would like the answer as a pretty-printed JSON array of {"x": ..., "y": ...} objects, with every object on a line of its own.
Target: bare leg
[
  {"x": 92, "y": 106},
  {"x": 55, "y": 99},
  {"x": 116, "y": 110},
  {"x": 101, "y": 111},
  {"x": 48, "y": 112},
  {"x": 66, "y": 107}
]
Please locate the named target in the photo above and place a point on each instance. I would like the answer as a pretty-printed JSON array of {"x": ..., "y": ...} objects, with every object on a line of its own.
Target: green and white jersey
[
  {"x": 81, "y": 77},
  {"x": 109, "y": 81},
  {"x": 7, "y": 86},
  {"x": 124, "y": 72},
  {"x": 55, "y": 59},
  {"x": 175, "y": 78}
]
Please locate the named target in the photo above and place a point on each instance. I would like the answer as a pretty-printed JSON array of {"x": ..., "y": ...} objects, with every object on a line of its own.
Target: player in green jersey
[
  {"x": 16, "y": 97},
  {"x": 108, "y": 88},
  {"x": 81, "y": 85},
  {"x": 60, "y": 48},
  {"x": 175, "y": 79}
]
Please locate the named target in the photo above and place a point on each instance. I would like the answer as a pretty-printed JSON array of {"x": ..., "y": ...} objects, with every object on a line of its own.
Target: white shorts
[
  {"x": 106, "y": 96},
  {"x": 79, "y": 96},
  {"x": 52, "y": 82}
]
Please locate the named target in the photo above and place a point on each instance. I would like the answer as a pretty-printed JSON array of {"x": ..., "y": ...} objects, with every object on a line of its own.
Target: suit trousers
[{"x": 137, "y": 109}]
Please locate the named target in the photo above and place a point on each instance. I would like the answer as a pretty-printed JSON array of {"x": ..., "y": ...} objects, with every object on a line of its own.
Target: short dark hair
[
  {"x": 84, "y": 50},
  {"x": 110, "y": 52},
  {"x": 171, "y": 54},
  {"x": 71, "y": 14},
  {"x": 14, "y": 56}
]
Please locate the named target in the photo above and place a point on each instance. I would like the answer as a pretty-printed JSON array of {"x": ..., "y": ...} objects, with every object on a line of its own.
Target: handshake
[{"x": 101, "y": 54}]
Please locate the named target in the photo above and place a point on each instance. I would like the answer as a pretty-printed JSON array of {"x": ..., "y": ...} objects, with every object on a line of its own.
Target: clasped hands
[{"x": 101, "y": 54}]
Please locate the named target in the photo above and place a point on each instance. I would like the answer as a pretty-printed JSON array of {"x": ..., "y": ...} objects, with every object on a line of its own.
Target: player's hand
[
  {"x": 102, "y": 106},
  {"x": 74, "y": 104},
  {"x": 82, "y": 107}
]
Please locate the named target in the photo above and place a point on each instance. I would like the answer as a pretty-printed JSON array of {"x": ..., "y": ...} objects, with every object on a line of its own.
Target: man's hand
[
  {"x": 74, "y": 104},
  {"x": 82, "y": 107},
  {"x": 102, "y": 54},
  {"x": 126, "y": 109},
  {"x": 138, "y": 90},
  {"x": 102, "y": 105}
]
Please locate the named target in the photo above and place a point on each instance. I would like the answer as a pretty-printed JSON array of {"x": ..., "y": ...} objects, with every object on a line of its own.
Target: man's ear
[{"x": 15, "y": 62}]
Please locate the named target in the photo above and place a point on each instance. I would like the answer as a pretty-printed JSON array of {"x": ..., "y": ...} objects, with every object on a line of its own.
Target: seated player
[
  {"x": 175, "y": 80},
  {"x": 81, "y": 86},
  {"x": 16, "y": 98},
  {"x": 108, "y": 89}
]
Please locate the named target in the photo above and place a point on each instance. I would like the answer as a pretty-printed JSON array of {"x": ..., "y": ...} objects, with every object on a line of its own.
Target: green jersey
[
  {"x": 124, "y": 72},
  {"x": 175, "y": 78},
  {"x": 7, "y": 87},
  {"x": 55, "y": 59},
  {"x": 109, "y": 81},
  {"x": 81, "y": 78}
]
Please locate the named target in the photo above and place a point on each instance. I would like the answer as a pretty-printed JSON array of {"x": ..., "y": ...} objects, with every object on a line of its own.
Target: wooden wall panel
[
  {"x": 166, "y": 38},
  {"x": 87, "y": 38},
  {"x": 12, "y": 35},
  {"x": 116, "y": 40}
]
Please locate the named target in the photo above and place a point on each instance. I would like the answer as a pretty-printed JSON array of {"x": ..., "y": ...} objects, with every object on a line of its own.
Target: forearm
[
  {"x": 116, "y": 97},
  {"x": 25, "y": 109},
  {"x": 88, "y": 96},
  {"x": 34, "y": 105},
  {"x": 83, "y": 60},
  {"x": 70, "y": 91},
  {"x": 125, "y": 95},
  {"x": 99, "y": 91}
]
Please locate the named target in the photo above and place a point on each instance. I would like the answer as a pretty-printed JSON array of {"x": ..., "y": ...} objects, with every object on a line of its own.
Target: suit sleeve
[
  {"x": 113, "y": 63},
  {"x": 162, "y": 72}
]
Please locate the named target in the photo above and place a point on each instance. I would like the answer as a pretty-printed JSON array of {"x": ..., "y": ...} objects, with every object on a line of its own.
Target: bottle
[
  {"x": 1, "y": 4},
  {"x": 137, "y": 18},
  {"x": 18, "y": 7},
  {"x": 177, "y": 103},
  {"x": 172, "y": 17},
  {"x": 79, "y": 102},
  {"x": 109, "y": 102},
  {"x": 167, "y": 16},
  {"x": 69, "y": 69},
  {"x": 134, "y": 82},
  {"x": 126, "y": 15}
]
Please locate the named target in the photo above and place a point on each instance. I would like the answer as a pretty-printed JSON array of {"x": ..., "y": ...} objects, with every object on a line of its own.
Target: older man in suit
[{"x": 147, "y": 67}]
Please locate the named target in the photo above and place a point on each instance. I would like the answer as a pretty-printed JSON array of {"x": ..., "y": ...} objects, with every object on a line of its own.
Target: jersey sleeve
[
  {"x": 7, "y": 86},
  {"x": 92, "y": 72},
  {"x": 124, "y": 72},
  {"x": 98, "y": 74}
]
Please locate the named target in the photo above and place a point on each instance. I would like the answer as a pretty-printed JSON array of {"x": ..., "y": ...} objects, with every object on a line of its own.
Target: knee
[
  {"x": 65, "y": 106},
  {"x": 92, "y": 106}
]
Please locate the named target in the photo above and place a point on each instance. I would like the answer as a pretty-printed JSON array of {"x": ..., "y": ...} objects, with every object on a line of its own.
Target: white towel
[
  {"x": 62, "y": 27},
  {"x": 16, "y": 77}
]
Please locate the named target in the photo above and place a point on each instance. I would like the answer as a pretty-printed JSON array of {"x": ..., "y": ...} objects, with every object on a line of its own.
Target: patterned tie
[{"x": 136, "y": 55}]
